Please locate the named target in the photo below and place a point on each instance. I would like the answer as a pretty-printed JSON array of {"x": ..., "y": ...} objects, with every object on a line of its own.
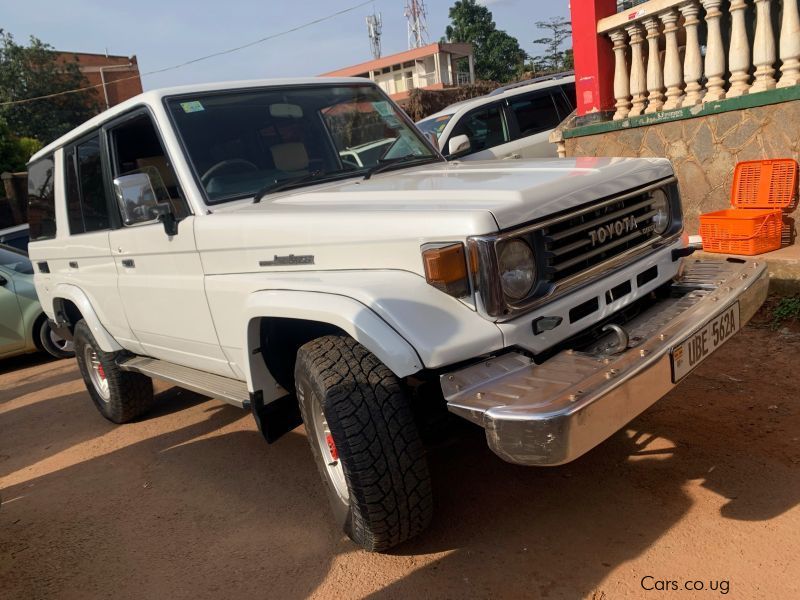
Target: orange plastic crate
[
  {"x": 761, "y": 188},
  {"x": 745, "y": 232},
  {"x": 764, "y": 183}
]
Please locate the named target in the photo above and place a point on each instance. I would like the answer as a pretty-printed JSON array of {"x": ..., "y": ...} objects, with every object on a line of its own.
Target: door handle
[
  {"x": 510, "y": 156},
  {"x": 73, "y": 264},
  {"x": 128, "y": 263}
]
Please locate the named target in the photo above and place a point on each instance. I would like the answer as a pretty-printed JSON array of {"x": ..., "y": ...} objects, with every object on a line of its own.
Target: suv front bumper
[{"x": 552, "y": 413}]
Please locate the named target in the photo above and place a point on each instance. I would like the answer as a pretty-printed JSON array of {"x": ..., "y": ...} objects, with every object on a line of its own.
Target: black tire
[
  {"x": 52, "y": 344},
  {"x": 368, "y": 415},
  {"x": 129, "y": 395}
]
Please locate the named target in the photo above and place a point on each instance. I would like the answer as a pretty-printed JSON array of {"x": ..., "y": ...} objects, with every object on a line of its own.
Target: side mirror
[
  {"x": 136, "y": 198},
  {"x": 138, "y": 202},
  {"x": 458, "y": 144}
]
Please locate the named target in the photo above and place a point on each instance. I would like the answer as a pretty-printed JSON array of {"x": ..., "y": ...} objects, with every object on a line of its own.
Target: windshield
[
  {"x": 15, "y": 261},
  {"x": 240, "y": 142},
  {"x": 435, "y": 125}
]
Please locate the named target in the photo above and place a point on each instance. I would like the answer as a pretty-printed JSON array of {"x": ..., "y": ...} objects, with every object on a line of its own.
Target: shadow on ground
[{"x": 192, "y": 503}]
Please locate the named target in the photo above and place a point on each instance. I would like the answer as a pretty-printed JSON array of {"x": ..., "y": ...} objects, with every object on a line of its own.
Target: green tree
[
  {"x": 34, "y": 70},
  {"x": 555, "y": 58},
  {"x": 15, "y": 151},
  {"x": 498, "y": 56}
]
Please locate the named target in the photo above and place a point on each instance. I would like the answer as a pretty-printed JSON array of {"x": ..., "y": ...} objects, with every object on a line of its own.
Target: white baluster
[
  {"x": 763, "y": 48},
  {"x": 673, "y": 73},
  {"x": 692, "y": 62},
  {"x": 739, "y": 52},
  {"x": 715, "y": 53},
  {"x": 638, "y": 80},
  {"x": 655, "y": 78},
  {"x": 790, "y": 45},
  {"x": 621, "y": 80}
]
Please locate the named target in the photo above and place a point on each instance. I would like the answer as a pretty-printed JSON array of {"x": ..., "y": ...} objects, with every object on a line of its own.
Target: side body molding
[
  {"x": 349, "y": 315},
  {"x": 75, "y": 294}
]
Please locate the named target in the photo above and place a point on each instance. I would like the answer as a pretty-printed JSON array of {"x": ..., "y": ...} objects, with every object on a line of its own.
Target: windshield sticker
[
  {"x": 193, "y": 106},
  {"x": 383, "y": 108}
]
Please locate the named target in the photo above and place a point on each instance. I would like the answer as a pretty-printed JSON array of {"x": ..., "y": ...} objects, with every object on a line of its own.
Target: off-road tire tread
[
  {"x": 377, "y": 440},
  {"x": 131, "y": 393}
]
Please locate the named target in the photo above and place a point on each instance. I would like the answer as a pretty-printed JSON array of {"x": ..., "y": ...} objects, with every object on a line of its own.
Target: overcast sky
[{"x": 166, "y": 32}]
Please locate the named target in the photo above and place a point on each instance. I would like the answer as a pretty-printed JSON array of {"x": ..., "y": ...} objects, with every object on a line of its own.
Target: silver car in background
[{"x": 23, "y": 326}]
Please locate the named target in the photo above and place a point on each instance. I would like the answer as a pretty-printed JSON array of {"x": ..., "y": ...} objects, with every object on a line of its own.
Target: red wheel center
[
  {"x": 101, "y": 371},
  {"x": 332, "y": 447}
]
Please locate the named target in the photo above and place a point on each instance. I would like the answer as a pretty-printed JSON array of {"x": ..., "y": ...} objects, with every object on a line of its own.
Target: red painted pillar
[{"x": 594, "y": 58}]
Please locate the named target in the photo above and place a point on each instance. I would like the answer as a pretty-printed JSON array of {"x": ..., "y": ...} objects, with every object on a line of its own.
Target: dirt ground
[{"x": 192, "y": 503}]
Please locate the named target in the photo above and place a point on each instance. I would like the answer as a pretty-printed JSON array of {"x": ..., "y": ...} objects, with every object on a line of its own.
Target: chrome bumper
[{"x": 552, "y": 413}]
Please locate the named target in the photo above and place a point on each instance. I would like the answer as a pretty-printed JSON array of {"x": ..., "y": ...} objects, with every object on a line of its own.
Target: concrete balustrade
[{"x": 652, "y": 73}]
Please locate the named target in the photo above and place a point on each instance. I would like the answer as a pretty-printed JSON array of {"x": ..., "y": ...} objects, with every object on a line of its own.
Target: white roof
[
  {"x": 488, "y": 98},
  {"x": 152, "y": 97}
]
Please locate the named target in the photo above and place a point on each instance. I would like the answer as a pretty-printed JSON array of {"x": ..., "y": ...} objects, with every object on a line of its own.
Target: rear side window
[
  {"x": 569, "y": 92},
  {"x": 562, "y": 104},
  {"x": 484, "y": 127},
  {"x": 41, "y": 199},
  {"x": 535, "y": 113},
  {"x": 87, "y": 203}
]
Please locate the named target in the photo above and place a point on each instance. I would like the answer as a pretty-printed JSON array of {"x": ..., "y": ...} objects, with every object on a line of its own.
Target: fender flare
[
  {"x": 348, "y": 314},
  {"x": 75, "y": 295}
]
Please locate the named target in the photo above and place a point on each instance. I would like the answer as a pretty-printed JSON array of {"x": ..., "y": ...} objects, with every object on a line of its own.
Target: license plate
[{"x": 694, "y": 349}]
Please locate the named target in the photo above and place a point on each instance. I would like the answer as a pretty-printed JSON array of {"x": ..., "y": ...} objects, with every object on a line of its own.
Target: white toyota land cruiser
[{"x": 223, "y": 238}]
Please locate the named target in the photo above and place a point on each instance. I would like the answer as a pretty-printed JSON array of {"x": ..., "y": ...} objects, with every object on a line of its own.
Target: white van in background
[{"x": 514, "y": 121}]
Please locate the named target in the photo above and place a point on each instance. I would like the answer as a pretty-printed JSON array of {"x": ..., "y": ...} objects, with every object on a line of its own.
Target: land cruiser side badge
[{"x": 280, "y": 261}]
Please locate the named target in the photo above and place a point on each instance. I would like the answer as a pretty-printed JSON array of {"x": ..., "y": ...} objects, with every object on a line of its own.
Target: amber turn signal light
[{"x": 446, "y": 269}]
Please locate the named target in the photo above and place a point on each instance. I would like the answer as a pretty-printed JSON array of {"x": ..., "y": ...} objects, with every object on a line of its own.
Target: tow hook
[{"x": 622, "y": 339}]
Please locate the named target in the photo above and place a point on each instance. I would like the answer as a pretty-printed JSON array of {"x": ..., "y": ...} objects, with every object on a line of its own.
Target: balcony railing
[
  {"x": 651, "y": 74},
  {"x": 426, "y": 79}
]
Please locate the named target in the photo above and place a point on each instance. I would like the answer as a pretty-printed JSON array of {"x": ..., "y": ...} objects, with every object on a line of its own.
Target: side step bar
[{"x": 230, "y": 390}]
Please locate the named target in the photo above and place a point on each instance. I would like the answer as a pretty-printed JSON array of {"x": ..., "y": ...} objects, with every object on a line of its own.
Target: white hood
[{"x": 514, "y": 192}]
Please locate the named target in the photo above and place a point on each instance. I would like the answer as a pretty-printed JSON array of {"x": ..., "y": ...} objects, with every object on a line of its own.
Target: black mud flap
[
  {"x": 61, "y": 329},
  {"x": 277, "y": 417}
]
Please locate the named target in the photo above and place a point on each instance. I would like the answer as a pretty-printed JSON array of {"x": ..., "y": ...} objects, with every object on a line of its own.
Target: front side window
[
  {"x": 434, "y": 124},
  {"x": 41, "y": 199},
  {"x": 535, "y": 113},
  {"x": 87, "y": 204},
  {"x": 137, "y": 149},
  {"x": 243, "y": 142},
  {"x": 484, "y": 127}
]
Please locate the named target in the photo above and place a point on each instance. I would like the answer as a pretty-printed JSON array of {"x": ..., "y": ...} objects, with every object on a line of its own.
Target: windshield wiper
[
  {"x": 277, "y": 186},
  {"x": 386, "y": 163}
]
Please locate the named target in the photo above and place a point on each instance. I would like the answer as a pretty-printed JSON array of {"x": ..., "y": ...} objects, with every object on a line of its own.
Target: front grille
[{"x": 579, "y": 242}]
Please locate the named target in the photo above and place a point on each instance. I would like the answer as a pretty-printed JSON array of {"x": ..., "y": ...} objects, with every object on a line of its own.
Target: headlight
[
  {"x": 660, "y": 205},
  {"x": 517, "y": 269}
]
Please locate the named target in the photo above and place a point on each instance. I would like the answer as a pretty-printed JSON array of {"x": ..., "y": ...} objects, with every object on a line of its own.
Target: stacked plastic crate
[{"x": 762, "y": 190}]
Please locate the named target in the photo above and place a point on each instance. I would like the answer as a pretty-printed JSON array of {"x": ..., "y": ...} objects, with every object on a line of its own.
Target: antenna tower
[
  {"x": 374, "y": 26},
  {"x": 416, "y": 15}
]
